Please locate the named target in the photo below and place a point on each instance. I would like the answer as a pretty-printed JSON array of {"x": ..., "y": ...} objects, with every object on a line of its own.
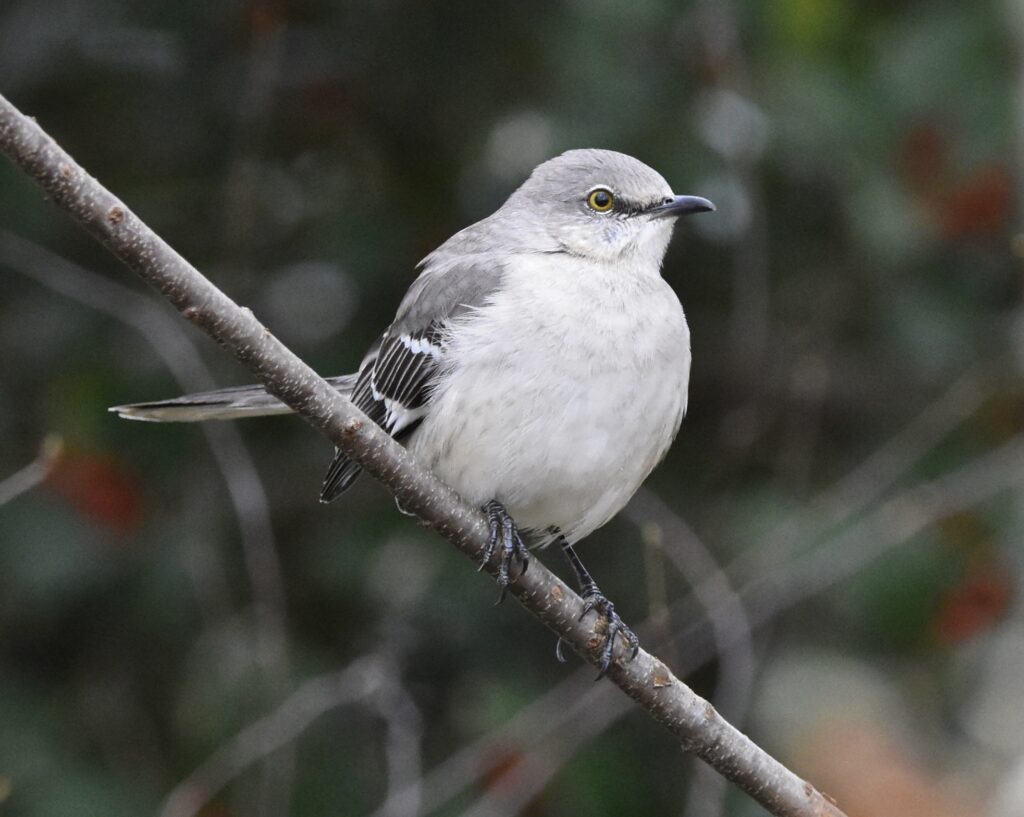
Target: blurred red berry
[
  {"x": 980, "y": 601},
  {"x": 980, "y": 206},
  {"x": 100, "y": 488}
]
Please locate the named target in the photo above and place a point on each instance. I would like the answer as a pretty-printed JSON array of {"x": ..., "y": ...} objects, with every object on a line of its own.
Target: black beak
[{"x": 681, "y": 206}]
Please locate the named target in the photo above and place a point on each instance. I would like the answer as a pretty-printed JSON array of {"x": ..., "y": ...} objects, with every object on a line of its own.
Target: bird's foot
[
  {"x": 503, "y": 532},
  {"x": 594, "y": 599}
]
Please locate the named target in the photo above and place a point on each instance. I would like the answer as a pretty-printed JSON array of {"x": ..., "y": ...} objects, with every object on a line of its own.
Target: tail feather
[
  {"x": 342, "y": 473},
  {"x": 233, "y": 403}
]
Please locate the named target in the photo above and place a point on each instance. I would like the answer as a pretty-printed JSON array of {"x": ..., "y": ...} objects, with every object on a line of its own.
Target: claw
[
  {"x": 596, "y": 600},
  {"x": 494, "y": 523},
  {"x": 502, "y": 527}
]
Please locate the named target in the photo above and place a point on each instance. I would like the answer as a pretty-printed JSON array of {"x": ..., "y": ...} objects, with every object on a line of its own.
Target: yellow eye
[{"x": 601, "y": 200}]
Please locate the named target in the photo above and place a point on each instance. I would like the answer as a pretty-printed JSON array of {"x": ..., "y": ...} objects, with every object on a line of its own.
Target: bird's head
[{"x": 604, "y": 205}]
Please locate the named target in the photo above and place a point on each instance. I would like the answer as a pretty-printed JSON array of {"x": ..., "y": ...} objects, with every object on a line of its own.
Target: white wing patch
[
  {"x": 421, "y": 346},
  {"x": 400, "y": 375}
]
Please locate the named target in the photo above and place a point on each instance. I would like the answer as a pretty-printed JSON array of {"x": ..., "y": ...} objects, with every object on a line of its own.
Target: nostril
[{"x": 667, "y": 200}]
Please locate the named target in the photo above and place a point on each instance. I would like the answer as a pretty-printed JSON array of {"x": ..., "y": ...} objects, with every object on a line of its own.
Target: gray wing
[{"x": 395, "y": 379}]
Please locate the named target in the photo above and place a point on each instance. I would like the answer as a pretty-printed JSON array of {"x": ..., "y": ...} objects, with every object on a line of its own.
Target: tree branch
[
  {"x": 690, "y": 719},
  {"x": 33, "y": 474}
]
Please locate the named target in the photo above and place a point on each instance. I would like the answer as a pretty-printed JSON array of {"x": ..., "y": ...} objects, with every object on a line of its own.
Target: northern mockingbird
[{"x": 538, "y": 364}]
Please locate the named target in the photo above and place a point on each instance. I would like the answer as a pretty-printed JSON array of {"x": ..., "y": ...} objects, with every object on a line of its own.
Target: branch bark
[{"x": 691, "y": 720}]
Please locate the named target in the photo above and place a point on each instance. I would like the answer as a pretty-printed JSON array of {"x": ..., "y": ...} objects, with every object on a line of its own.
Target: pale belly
[{"x": 562, "y": 423}]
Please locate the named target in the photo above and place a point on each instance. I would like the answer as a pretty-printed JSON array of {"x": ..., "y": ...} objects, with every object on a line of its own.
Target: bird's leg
[
  {"x": 596, "y": 600},
  {"x": 502, "y": 529}
]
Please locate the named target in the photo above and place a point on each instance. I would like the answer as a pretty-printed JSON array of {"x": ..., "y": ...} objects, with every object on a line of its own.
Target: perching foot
[
  {"x": 596, "y": 600},
  {"x": 503, "y": 531}
]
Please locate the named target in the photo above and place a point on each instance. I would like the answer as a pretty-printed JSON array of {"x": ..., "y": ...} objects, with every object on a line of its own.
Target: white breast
[{"x": 561, "y": 394}]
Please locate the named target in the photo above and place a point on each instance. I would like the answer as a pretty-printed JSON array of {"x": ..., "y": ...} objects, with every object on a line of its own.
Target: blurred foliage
[{"x": 864, "y": 157}]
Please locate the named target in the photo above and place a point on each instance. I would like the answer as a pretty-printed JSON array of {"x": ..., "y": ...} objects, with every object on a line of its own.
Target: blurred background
[{"x": 831, "y": 551}]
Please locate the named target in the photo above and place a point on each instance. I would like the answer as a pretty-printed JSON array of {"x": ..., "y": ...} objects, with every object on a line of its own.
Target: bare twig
[
  {"x": 729, "y": 626},
  {"x": 27, "y": 478},
  {"x": 690, "y": 719},
  {"x": 576, "y": 700},
  {"x": 310, "y": 701},
  {"x": 404, "y": 732},
  {"x": 750, "y": 324},
  {"x": 868, "y": 481},
  {"x": 714, "y": 592},
  {"x": 658, "y": 619},
  {"x": 370, "y": 681},
  {"x": 895, "y": 520},
  {"x": 249, "y": 129},
  {"x": 593, "y": 713}
]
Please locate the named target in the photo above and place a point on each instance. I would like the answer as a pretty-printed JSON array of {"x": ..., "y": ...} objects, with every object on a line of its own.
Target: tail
[{"x": 223, "y": 404}]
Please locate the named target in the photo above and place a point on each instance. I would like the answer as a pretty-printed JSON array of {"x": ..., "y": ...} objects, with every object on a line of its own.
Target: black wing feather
[{"x": 392, "y": 388}]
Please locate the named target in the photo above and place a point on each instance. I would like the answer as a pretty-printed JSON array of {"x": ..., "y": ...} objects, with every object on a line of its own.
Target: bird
[{"x": 538, "y": 364}]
